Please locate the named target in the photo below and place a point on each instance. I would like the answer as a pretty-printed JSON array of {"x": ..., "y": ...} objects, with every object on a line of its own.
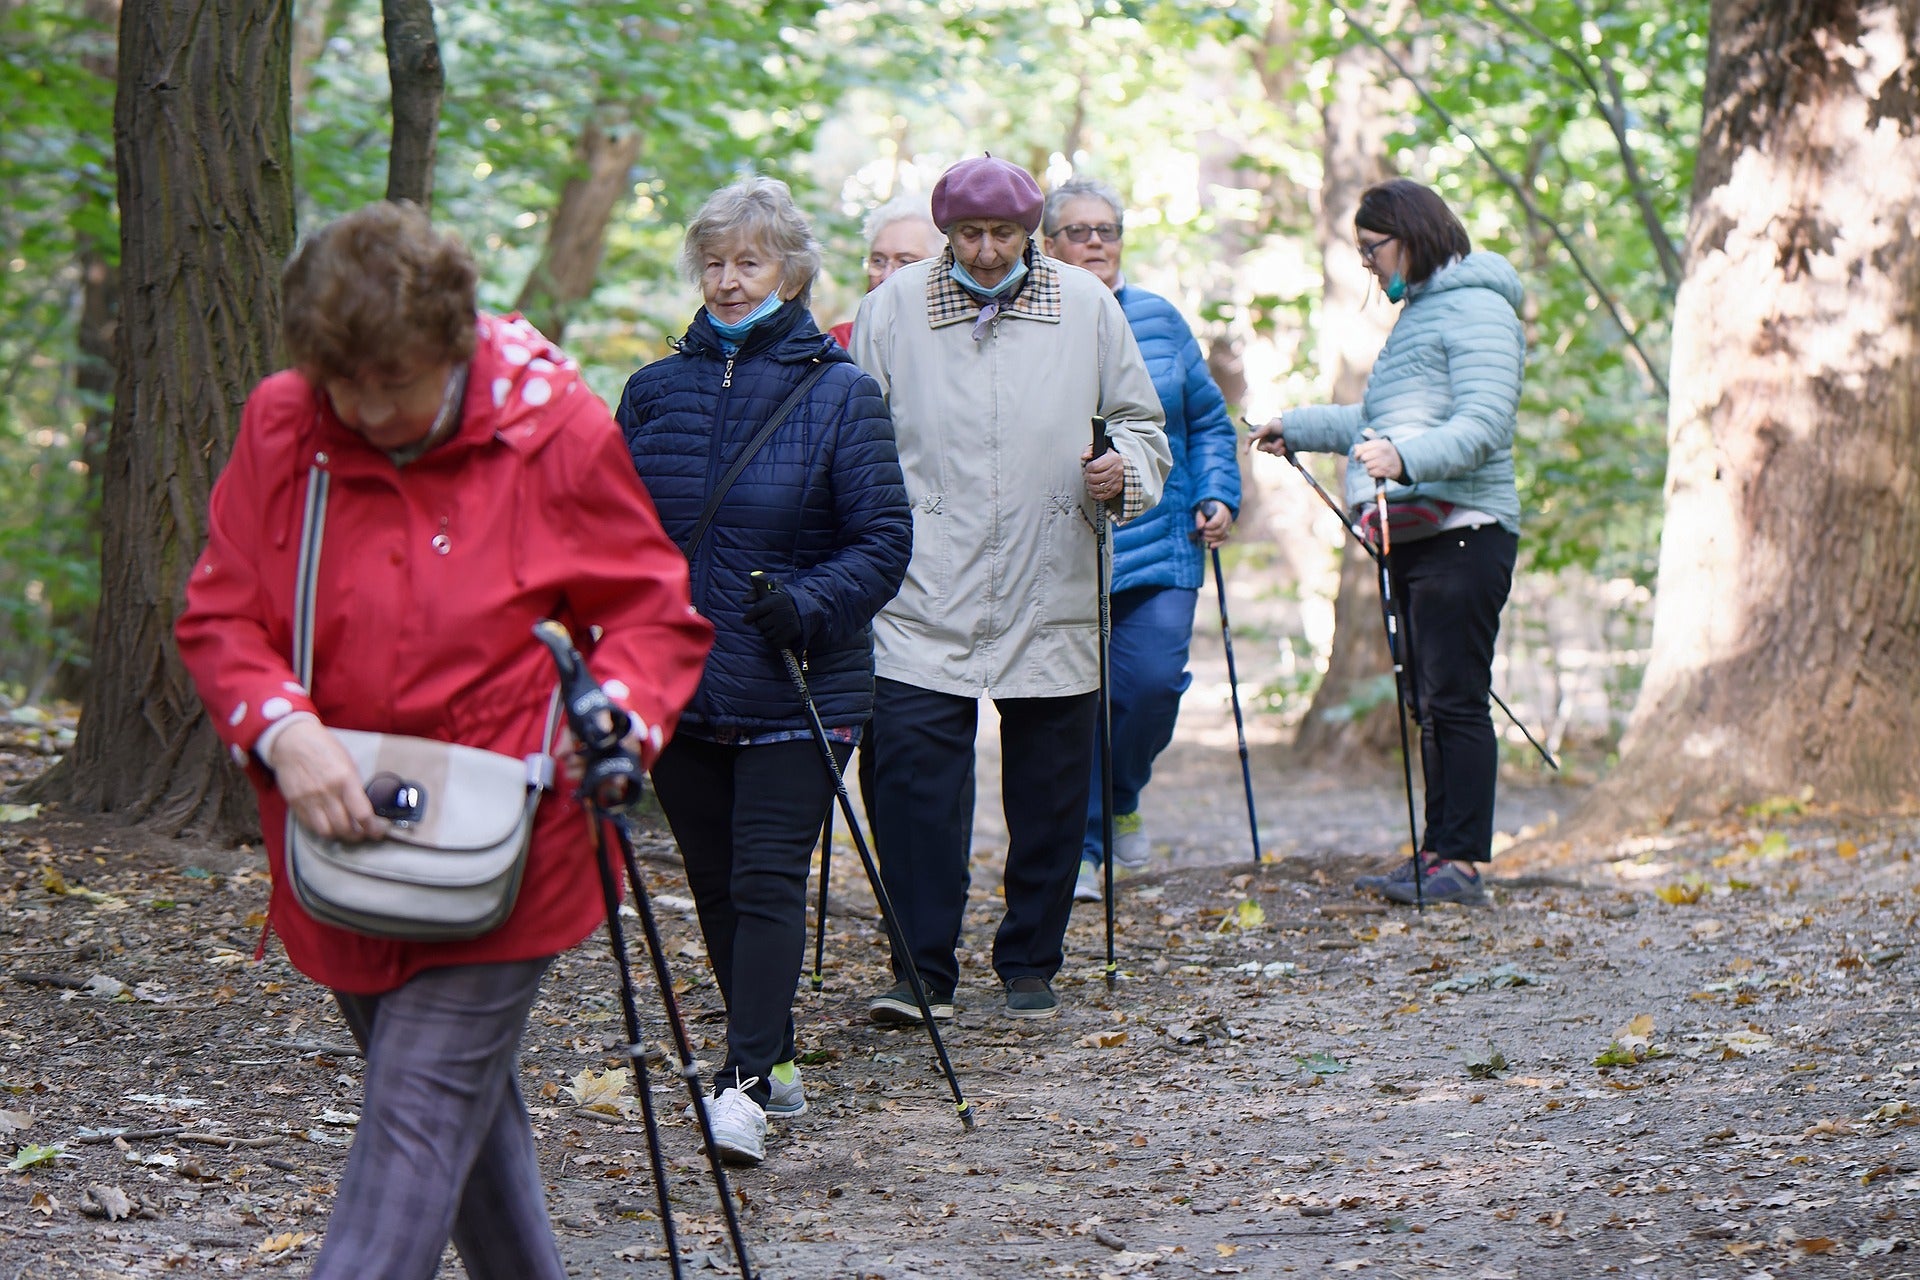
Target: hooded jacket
[
  {"x": 820, "y": 508},
  {"x": 431, "y": 579},
  {"x": 1445, "y": 390}
]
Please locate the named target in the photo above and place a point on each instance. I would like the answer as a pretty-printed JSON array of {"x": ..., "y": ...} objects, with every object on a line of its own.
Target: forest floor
[{"x": 1689, "y": 1055}]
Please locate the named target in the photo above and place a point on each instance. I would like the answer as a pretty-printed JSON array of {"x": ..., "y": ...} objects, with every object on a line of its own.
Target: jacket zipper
[{"x": 726, "y": 376}]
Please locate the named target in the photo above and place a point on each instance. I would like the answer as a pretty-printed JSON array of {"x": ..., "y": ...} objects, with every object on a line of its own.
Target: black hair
[{"x": 1429, "y": 234}]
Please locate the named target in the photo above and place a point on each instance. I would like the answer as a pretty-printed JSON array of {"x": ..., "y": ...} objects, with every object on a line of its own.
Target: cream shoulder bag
[{"x": 461, "y": 818}]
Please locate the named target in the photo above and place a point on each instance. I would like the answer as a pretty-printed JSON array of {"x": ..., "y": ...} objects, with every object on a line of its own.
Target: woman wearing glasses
[
  {"x": 1436, "y": 427},
  {"x": 475, "y": 487},
  {"x": 899, "y": 233},
  {"x": 1159, "y": 559},
  {"x": 817, "y": 506}
]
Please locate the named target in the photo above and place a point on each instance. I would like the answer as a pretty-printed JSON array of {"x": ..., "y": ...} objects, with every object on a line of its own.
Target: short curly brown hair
[{"x": 376, "y": 289}]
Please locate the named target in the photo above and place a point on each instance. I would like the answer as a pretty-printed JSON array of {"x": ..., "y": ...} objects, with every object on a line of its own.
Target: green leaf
[{"x": 31, "y": 1156}]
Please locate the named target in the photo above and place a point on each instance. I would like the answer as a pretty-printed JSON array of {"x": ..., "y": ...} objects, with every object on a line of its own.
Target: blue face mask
[
  {"x": 1396, "y": 287},
  {"x": 1008, "y": 283},
  {"x": 741, "y": 327}
]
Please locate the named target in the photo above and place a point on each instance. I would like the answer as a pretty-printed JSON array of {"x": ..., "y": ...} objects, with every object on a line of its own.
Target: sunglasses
[
  {"x": 1371, "y": 247},
  {"x": 399, "y": 801},
  {"x": 1080, "y": 232}
]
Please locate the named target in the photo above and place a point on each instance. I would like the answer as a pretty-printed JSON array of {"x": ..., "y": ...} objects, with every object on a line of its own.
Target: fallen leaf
[
  {"x": 110, "y": 1203},
  {"x": 15, "y": 1121},
  {"x": 285, "y": 1242}
]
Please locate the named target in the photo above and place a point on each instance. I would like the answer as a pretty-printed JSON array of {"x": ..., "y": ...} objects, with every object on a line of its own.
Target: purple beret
[{"x": 989, "y": 189}]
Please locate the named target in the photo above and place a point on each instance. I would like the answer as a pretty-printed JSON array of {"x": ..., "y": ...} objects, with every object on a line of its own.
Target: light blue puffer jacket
[{"x": 1445, "y": 390}]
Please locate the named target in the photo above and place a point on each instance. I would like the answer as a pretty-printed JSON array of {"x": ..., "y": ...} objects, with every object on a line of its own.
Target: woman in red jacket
[{"x": 476, "y": 486}]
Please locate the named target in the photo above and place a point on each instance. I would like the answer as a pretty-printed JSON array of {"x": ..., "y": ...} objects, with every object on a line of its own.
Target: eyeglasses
[
  {"x": 880, "y": 261},
  {"x": 1080, "y": 232},
  {"x": 397, "y": 800},
  {"x": 1370, "y": 247}
]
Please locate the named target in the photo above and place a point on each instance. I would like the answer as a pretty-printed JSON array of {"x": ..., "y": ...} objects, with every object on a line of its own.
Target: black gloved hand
[{"x": 777, "y": 618}]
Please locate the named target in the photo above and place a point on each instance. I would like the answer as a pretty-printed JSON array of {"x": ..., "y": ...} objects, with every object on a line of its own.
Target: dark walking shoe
[
  {"x": 898, "y": 1008},
  {"x": 1031, "y": 998},
  {"x": 1445, "y": 882},
  {"x": 1402, "y": 873}
]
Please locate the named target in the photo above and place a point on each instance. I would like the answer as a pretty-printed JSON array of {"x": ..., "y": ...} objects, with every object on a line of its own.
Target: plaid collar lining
[{"x": 948, "y": 303}]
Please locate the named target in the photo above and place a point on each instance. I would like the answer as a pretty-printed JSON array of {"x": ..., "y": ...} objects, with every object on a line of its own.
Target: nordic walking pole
[
  {"x": 1402, "y": 675},
  {"x": 1233, "y": 685},
  {"x": 1366, "y": 545},
  {"x": 797, "y": 672},
  {"x": 611, "y": 783},
  {"x": 1104, "y": 585},
  {"x": 820, "y": 917}
]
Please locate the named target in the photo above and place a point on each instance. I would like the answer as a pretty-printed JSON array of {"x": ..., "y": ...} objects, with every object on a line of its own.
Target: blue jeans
[{"x": 1147, "y": 673}]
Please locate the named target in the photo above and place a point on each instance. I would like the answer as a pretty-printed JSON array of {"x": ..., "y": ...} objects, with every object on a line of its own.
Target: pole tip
[{"x": 965, "y": 1110}]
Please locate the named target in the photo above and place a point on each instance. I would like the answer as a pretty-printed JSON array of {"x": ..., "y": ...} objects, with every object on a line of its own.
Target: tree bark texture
[
  {"x": 418, "y": 79},
  {"x": 1353, "y": 327},
  {"x": 577, "y": 236},
  {"x": 1786, "y": 641},
  {"x": 206, "y": 220}
]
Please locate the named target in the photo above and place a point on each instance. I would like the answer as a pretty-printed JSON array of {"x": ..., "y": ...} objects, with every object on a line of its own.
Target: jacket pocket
[
  {"x": 1068, "y": 591},
  {"x": 930, "y": 568}
]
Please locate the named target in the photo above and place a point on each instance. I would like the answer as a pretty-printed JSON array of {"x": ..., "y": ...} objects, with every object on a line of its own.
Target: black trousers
[
  {"x": 1451, "y": 588},
  {"x": 923, "y": 809},
  {"x": 746, "y": 819}
]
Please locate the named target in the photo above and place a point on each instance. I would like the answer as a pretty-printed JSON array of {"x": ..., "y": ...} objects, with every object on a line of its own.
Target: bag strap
[
  {"x": 313, "y": 528},
  {"x": 754, "y": 446}
]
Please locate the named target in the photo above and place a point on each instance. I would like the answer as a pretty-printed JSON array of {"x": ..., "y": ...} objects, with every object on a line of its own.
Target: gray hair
[
  {"x": 761, "y": 212},
  {"x": 899, "y": 209},
  {"x": 1073, "y": 188}
]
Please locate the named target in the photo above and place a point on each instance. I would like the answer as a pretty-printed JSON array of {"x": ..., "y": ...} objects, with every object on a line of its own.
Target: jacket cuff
[{"x": 1133, "y": 494}]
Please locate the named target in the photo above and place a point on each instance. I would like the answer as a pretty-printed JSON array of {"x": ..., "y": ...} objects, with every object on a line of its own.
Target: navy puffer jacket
[{"x": 821, "y": 508}]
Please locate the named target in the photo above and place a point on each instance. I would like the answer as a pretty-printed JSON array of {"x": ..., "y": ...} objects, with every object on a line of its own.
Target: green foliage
[
  {"x": 56, "y": 166},
  {"x": 1534, "y": 84}
]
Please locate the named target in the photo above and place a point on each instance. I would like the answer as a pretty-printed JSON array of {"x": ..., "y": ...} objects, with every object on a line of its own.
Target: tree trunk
[
  {"x": 1352, "y": 329},
  {"x": 577, "y": 236},
  {"x": 1786, "y": 641},
  {"x": 93, "y": 375},
  {"x": 314, "y": 22},
  {"x": 418, "y": 79},
  {"x": 206, "y": 200}
]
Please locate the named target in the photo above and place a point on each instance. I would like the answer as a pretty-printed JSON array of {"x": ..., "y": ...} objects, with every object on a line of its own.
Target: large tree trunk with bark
[
  {"x": 418, "y": 79},
  {"x": 1786, "y": 646},
  {"x": 1351, "y": 334},
  {"x": 577, "y": 237},
  {"x": 206, "y": 219}
]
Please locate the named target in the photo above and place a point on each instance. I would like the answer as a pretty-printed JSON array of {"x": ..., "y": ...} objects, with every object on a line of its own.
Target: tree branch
[
  {"x": 418, "y": 78},
  {"x": 1520, "y": 193},
  {"x": 1613, "y": 109}
]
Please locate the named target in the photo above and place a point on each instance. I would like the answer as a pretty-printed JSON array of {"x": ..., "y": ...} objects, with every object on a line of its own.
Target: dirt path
[{"x": 1286, "y": 1079}]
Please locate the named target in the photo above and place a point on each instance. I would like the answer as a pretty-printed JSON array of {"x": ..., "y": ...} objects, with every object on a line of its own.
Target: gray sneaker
[
  {"x": 1445, "y": 882},
  {"x": 1031, "y": 998},
  {"x": 898, "y": 1007},
  {"x": 1402, "y": 873},
  {"x": 739, "y": 1126},
  {"x": 785, "y": 1100}
]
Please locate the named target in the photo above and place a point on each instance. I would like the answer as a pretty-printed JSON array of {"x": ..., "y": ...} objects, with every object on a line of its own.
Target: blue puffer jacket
[
  {"x": 821, "y": 508},
  {"x": 1445, "y": 390},
  {"x": 1158, "y": 549}
]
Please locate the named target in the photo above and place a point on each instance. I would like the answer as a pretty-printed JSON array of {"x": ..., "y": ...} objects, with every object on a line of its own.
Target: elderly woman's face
[
  {"x": 392, "y": 407},
  {"x": 1088, "y": 236},
  {"x": 899, "y": 244},
  {"x": 736, "y": 276},
  {"x": 987, "y": 248}
]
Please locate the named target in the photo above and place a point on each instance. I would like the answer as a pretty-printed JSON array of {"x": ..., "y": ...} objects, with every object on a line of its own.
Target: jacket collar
[
  {"x": 789, "y": 335},
  {"x": 1038, "y": 299}
]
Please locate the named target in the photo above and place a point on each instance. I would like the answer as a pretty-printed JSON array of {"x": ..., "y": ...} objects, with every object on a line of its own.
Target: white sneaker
[
  {"x": 739, "y": 1126},
  {"x": 785, "y": 1100},
  {"x": 1089, "y": 887}
]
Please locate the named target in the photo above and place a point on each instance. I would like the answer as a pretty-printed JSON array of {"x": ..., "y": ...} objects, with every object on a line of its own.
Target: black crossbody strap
[{"x": 754, "y": 445}]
